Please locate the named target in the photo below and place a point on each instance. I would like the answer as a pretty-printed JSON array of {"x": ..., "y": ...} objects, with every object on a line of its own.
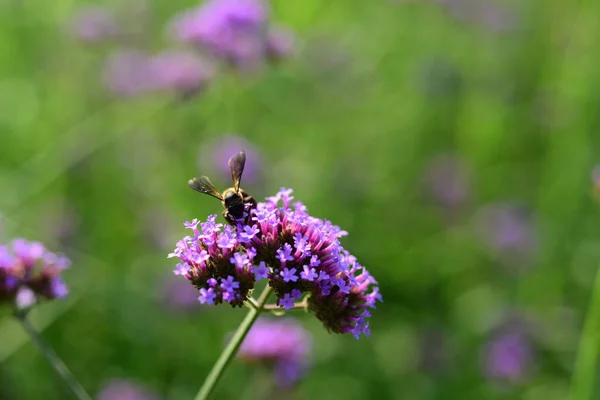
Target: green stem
[
  {"x": 232, "y": 347},
  {"x": 584, "y": 375},
  {"x": 55, "y": 361}
]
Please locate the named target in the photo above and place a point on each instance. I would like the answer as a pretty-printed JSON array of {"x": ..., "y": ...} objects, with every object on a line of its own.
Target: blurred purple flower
[
  {"x": 447, "y": 182},
  {"x": 508, "y": 355},
  {"x": 214, "y": 152},
  {"x": 29, "y": 271},
  {"x": 507, "y": 230},
  {"x": 127, "y": 73},
  {"x": 492, "y": 15},
  {"x": 122, "y": 389},
  {"x": 180, "y": 71},
  {"x": 282, "y": 343},
  {"x": 236, "y": 31},
  {"x": 93, "y": 24},
  {"x": 303, "y": 254}
]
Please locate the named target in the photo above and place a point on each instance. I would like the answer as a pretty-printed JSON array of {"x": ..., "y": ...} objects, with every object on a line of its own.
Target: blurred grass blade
[{"x": 584, "y": 375}]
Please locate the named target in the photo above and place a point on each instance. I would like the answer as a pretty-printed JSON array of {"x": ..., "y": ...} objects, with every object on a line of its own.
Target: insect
[{"x": 233, "y": 199}]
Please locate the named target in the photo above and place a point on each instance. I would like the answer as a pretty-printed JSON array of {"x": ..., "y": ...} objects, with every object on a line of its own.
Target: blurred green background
[{"x": 454, "y": 140}]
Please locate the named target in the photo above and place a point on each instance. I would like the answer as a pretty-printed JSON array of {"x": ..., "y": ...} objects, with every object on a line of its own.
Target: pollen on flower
[{"x": 297, "y": 253}]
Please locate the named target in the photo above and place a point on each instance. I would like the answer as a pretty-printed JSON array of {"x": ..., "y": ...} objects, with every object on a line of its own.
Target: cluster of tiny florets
[
  {"x": 298, "y": 254},
  {"x": 236, "y": 31},
  {"x": 29, "y": 271}
]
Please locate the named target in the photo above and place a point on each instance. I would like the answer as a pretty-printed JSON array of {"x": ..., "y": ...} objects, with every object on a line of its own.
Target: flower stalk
[
  {"x": 57, "y": 364},
  {"x": 232, "y": 347}
]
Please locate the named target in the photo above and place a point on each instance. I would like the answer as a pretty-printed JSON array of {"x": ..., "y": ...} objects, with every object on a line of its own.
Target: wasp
[{"x": 234, "y": 199}]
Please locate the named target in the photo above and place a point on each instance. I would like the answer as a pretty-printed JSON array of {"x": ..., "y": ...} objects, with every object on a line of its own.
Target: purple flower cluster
[
  {"x": 236, "y": 31},
  {"x": 508, "y": 356},
  {"x": 93, "y": 24},
  {"x": 133, "y": 72},
  {"x": 27, "y": 271},
  {"x": 121, "y": 389},
  {"x": 295, "y": 252},
  {"x": 281, "y": 343}
]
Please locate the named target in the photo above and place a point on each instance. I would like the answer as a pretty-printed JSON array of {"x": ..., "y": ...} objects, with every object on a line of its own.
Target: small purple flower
[
  {"x": 289, "y": 275},
  {"x": 229, "y": 284},
  {"x": 287, "y": 302},
  {"x": 207, "y": 296},
  {"x": 180, "y": 71},
  {"x": 282, "y": 343},
  {"x": 508, "y": 356},
  {"x": 192, "y": 225},
  {"x": 261, "y": 272},
  {"x": 58, "y": 288},
  {"x": 226, "y": 240},
  {"x": 343, "y": 286},
  {"x": 93, "y": 24},
  {"x": 25, "y": 298},
  {"x": 240, "y": 260},
  {"x": 121, "y": 389},
  {"x": 285, "y": 254},
  {"x": 308, "y": 274},
  {"x": 248, "y": 233},
  {"x": 29, "y": 272}
]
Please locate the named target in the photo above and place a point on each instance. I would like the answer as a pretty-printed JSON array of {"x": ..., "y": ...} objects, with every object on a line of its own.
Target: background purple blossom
[
  {"x": 29, "y": 272},
  {"x": 123, "y": 389},
  {"x": 282, "y": 344}
]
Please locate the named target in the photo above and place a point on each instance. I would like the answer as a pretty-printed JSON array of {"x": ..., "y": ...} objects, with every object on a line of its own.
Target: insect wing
[
  {"x": 204, "y": 185},
  {"x": 236, "y": 166}
]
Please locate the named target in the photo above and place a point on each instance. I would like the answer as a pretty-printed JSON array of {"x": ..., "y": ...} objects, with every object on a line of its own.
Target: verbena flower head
[
  {"x": 297, "y": 253},
  {"x": 508, "y": 356},
  {"x": 180, "y": 71},
  {"x": 233, "y": 30},
  {"x": 122, "y": 389},
  {"x": 282, "y": 343},
  {"x": 93, "y": 24},
  {"x": 28, "y": 271}
]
